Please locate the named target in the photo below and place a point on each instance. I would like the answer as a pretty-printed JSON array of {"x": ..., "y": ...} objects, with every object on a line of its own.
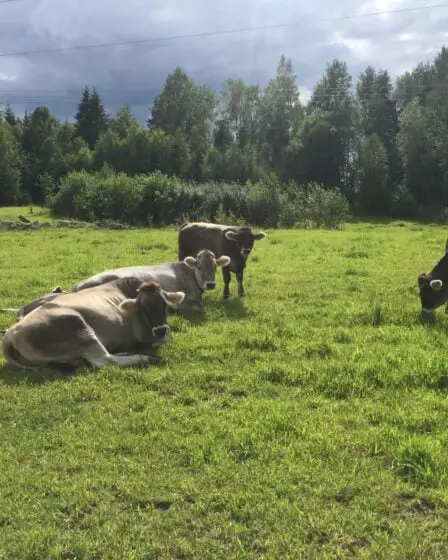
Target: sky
[{"x": 134, "y": 74}]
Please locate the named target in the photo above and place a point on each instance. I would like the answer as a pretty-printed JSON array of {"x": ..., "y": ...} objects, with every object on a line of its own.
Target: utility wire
[{"x": 223, "y": 32}]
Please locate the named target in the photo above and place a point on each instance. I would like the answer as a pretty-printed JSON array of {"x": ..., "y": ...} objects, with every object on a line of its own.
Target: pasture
[{"x": 309, "y": 420}]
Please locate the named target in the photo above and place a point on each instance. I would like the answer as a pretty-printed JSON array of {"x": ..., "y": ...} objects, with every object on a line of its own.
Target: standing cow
[
  {"x": 433, "y": 287},
  {"x": 234, "y": 241}
]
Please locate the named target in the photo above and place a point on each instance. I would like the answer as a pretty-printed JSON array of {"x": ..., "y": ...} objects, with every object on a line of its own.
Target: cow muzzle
[
  {"x": 427, "y": 311},
  {"x": 210, "y": 285},
  {"x": 160, "y": 331}
]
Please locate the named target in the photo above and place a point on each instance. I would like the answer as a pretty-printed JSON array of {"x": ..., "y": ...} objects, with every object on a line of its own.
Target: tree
[
  {"x": 315, "y": 156},
  {"x": 91, "y": 118},
  {"x": 186, "y": 108},
  {"x": 237, "y": 112},
  {"x": 379, "y": 115},
  {"x": 375, "y": 195},
  {"x": 9, "y": 116},
  {"x": 414, "y": 85},
  {"x": 41, "y": 150},
  {"x": 279, "y": 114},
  {"x": 332, "y": 96},
  {"x": 418, "y": 142},
  {"x": 10, "y": 162},
  {"x": 123, "y": 123}
]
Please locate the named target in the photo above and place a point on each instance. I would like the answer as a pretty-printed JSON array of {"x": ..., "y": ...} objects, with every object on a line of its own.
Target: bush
[
  {"x": 158, "y": 200},
  {"x": 326, "y": 207}
]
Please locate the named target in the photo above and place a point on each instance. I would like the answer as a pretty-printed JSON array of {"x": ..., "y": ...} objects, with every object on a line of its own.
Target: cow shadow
[
  {"x": 13, "y": 376},
  {"x": 233, "y": 308},
  {"x": 192, "y": 316}
]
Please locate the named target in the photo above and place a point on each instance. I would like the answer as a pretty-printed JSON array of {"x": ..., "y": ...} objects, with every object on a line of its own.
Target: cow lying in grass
[
  {"x": 192, "y": 275},
  {"x": 237, "y": 242},
  {"x": 94, "y": 325}
]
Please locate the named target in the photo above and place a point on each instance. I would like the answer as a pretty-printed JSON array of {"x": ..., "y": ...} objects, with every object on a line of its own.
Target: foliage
[
  {"x": 381, "y": 144},
  {"x": 157, "y": 199}
]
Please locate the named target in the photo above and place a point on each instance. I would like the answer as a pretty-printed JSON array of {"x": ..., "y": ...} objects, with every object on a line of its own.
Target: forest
[{"x": 374, "y": 147}]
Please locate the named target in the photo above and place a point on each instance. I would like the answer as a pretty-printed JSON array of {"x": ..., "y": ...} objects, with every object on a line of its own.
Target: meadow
[{"x": 308, "y": 420}]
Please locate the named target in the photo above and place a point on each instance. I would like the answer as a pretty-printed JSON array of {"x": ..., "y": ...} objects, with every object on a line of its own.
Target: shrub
[{"x": 159, "y": 200}]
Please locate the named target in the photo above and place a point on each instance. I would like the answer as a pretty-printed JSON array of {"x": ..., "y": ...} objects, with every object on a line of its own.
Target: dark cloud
[{"x": 134, "y": 74}]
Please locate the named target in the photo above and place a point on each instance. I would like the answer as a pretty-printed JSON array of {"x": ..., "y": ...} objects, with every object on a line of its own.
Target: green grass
[
  {"x": 13, "y": 212},
  {"x": 308, "y": 421}
]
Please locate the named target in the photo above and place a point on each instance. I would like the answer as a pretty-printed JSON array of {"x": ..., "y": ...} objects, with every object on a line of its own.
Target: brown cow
[
  {"x": 236, "y": 242},
  {"x": 94, "y": 325}
]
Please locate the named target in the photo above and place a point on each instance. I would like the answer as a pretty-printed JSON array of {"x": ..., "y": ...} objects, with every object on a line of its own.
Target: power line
[
  {"x": 279, "y": 101},
  {"x": 216, "y": 33}
]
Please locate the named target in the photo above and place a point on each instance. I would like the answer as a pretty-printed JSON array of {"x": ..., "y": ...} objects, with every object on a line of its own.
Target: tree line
[{"x": 382, "y": 146}]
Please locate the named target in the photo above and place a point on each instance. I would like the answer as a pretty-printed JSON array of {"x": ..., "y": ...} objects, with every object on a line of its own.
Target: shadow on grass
[
  {"x": 233, "y": 308},
  {"x": 12, "y": 376}
]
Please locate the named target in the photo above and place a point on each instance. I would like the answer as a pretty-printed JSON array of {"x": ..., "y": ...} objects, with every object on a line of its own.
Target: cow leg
[
  {"x": 239, "y": 279},
  {"x": 67, "y": 338},
  {"x": 226, "y": 278},
  {"x": 97, "y": 355}
]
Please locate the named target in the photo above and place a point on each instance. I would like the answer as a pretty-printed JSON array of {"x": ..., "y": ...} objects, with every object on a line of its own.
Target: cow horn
[
  {"x": 436, "y": 285},
  {"x": 174, "y": 298}
]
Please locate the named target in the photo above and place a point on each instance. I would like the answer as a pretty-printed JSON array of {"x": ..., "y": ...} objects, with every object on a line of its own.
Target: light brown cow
[{"x": 94, "y": 325}]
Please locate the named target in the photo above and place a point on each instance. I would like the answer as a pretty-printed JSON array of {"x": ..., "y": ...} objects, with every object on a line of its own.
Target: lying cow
[
  {"x": 434, "y": 286},
  {"x": 94, "y": 325},
  {"x": 237, "y": 242},
  {"x": 36, "y": 303},
  {"x": 193, "y": 276}
]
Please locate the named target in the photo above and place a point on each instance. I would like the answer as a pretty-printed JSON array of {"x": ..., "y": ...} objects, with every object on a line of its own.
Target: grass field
[{"x": 308, "y": 421}]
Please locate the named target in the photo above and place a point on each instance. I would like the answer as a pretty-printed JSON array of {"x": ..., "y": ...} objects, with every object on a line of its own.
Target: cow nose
[
  {"x": 160, "y": 331},
  {"x": 210, "y": 285}
]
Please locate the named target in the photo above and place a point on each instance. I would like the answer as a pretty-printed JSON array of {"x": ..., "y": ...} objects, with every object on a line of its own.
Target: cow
[
  {"x": 192, "y": 275},
  {"x": 433, "y": 287},
  {"x": 36, "y": 303},
  {"x": 237, "y": 242},
  {"x": 100, "y": 325}
]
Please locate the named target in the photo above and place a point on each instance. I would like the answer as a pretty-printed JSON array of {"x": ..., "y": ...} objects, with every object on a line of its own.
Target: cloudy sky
[{"x": 133, "y": 74}]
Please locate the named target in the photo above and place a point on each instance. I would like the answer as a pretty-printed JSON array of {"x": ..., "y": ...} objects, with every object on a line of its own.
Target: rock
[
  {"x": 8, "y": 224},
  {"x": 25, "y": 220}
]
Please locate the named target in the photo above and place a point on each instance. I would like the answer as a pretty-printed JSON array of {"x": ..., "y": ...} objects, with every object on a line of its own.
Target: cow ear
[
  {"x": 191, "y": 262},
  {"x": 436, "y": 285},
  {"x": 259, "y": 235},
  {"x": 129, "y": 306},
  {"x": 174, "y": 298},
  {"x": 223, "y": 261},
  {"x": 230, "y": 235}
]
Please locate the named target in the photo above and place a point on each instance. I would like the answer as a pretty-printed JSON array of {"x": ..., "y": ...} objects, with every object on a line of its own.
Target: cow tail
[{"x": 13, "y": 356}]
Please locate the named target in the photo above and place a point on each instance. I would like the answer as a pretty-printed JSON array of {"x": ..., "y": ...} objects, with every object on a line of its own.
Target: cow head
[
  {"x": 433, "y": 292},
  {"x": 151, "y": 304},
  {"x": 244, "y": 238},
  {"x": 433, "y": 287},
  {"x": 204, "y": 266}
]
